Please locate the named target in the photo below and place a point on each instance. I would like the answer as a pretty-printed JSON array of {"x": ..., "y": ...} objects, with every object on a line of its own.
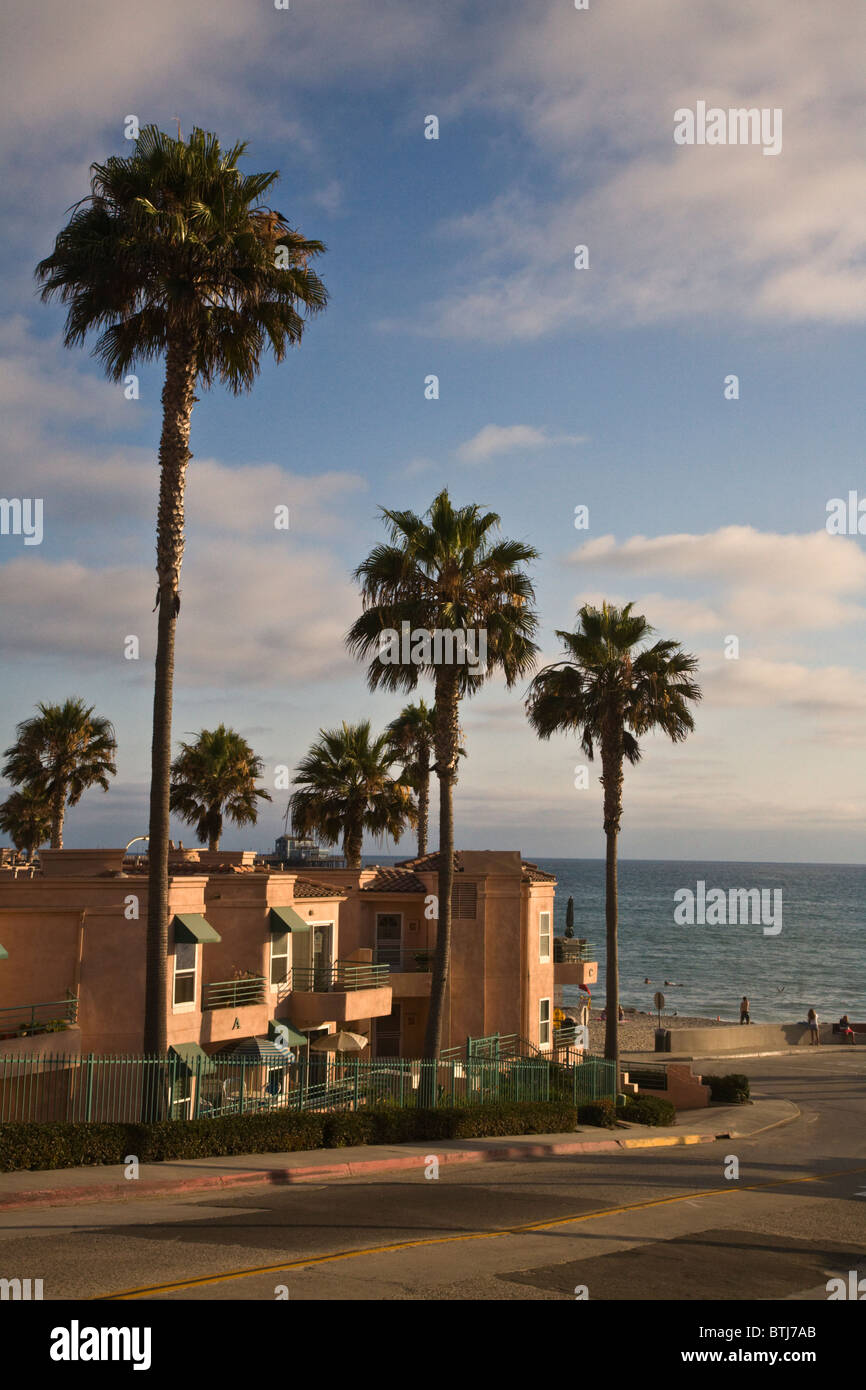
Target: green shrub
[
  {"x": 598, "y": 1112},
  {"x": 648, "y": 1110},
  {"x": 733, "y": 1088},
  {"x": 50, "y": 1145}
]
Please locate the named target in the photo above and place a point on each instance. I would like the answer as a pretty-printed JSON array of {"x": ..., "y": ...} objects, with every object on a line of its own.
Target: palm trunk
[
  {"x": 611, "y": 780},
  {"x": 58, "y": 807},
  {"x": 178, "y": 397},
  {"x": 423, "y": 799},
  {"x": 447, "y": 742},
  {"x": 214, "y": 843},
  {"x": 353, "y": 842}
]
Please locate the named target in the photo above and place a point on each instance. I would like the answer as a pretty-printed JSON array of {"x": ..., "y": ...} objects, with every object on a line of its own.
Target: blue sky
[{"x": 558, "y": 387}]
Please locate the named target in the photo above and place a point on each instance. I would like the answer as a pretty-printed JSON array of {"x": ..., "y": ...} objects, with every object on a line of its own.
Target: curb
[{"x": 281, "y": 1177}]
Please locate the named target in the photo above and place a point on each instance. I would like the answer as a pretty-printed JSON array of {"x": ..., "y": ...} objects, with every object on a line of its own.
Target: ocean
[{"x": 817, "y": 960}]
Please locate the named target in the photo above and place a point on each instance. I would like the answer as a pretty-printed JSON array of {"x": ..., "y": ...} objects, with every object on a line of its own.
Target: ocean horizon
[{"x": 817, "y": 959}]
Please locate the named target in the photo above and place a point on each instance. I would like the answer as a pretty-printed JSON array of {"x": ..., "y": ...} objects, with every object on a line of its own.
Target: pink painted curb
[{"x": 125, "y": 1191}]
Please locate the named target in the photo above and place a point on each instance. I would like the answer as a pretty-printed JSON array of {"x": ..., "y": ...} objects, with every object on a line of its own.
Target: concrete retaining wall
[{"x": 740, "y": 1037}]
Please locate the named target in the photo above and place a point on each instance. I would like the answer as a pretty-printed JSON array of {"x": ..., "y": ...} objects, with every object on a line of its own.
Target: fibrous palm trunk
[
  {"x": 58, "y": 806},
  {"x": 611, "y": 757},
  {"x": 447, "y": 740},
  {"x": 178, "y": 397},
  {"x": 423, "y": 798},
  {"x": 353, "y": 842}
]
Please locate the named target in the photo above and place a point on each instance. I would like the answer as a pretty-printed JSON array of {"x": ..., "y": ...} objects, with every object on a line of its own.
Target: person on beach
[
  {"x": 845, "y": 1029},
  {"x": 745, "y": 1010},
  {"x": 814, "y": 1034}
]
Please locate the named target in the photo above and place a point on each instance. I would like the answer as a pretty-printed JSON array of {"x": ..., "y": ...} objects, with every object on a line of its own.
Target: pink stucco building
[{"x": 319, "y": 949}]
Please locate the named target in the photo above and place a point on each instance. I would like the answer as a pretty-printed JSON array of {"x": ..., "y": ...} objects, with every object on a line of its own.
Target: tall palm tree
[
  {"x": 58, "y": 754},
  {"x": 610, "y": 690},
  {"x": 25, "y": 816},
  {"x": 412, "y": 735},
  {"x": 447, "y": 571},
  {"x": 345, "y": 787},
  {"x": 213, "y": 778},
  {"x": 173, "y": 254}
]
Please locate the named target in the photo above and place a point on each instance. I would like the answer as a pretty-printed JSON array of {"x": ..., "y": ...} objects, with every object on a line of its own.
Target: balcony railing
[
  {"x": 39, "y": 1018},
  {"x": 570, "y": 950},
  {"x": 404, "y": 962},
  {"x": 234, "y": 994},
  {"x": 341, "y": 975}
]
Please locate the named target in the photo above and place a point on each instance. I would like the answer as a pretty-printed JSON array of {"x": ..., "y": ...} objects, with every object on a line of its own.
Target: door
[
  {"x": 389, "y": 939},
  {"x": 322, "y": 949},
  {"x": 388, "y": 1030}
]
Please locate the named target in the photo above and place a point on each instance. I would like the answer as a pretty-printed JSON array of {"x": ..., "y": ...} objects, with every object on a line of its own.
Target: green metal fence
[{"x": 129, "y": 1089}]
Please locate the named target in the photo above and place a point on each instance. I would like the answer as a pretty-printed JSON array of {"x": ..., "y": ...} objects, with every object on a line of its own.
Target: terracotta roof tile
[
  {"x": 394, "y": 881},
  {"x": 306, "y": 888}
]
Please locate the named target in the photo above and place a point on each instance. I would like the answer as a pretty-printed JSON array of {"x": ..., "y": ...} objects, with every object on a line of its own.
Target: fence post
[
  {"x": 357, "y": 1077},
  {"x": 243, "y": 1062},
  {"x": 88, "y": 1102},
  {"x": 197, "y": 1102}
]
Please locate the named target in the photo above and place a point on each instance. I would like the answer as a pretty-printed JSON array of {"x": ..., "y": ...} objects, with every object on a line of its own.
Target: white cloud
[
  {"x": 763, "y": 581},
  {"x": 507, "y": 439}
]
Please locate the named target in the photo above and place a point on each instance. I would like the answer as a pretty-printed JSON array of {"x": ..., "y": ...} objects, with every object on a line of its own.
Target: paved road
[{"x": 662, "y": 1224}]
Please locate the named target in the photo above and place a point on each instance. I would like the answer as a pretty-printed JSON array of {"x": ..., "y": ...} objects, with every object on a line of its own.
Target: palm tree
[
  {"x": 58, "y": 754},
  {"x": 216, "y": 777},
  {"x": 610, "y": 691},
  {"x": 445, "y": 572},
  {"x": 174, "y": 255},
  {"x": 345, "y": 787},
  {"x": 412, "y": 735},
  {"x": 25, "y": 816}
]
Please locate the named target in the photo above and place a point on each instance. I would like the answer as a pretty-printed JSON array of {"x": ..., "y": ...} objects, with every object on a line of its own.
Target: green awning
[
  {"x": 4, "y": 954},
  {"x": 287, "y": 919},
  {"x": 192, "y": 927},
  {"x": 192, "y": 1055},
  {"x": 292, "y": 1037}
]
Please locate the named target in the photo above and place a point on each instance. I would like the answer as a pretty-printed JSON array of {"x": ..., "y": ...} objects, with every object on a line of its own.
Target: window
[
  {"x": 544, "y": 1022},
  {"x": 464, "y": 901},
  {"x": 279, "y": 958},
  {"x": 184, "y": 972},
  {"x": 544, "y": 936}
]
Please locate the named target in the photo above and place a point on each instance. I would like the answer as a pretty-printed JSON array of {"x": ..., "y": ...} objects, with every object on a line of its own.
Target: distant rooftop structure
[{"x": 302, "y": 849}]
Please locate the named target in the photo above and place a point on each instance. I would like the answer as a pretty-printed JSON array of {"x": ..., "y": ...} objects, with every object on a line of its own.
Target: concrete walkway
[{"x": 70, "y": 1186}]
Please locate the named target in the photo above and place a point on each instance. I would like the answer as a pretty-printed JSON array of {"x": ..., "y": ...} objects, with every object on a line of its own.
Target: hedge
[
  {"x": 52, "y": 1145},
  {"x": 733, "y": 1088},
  {"x": 647, "y": 1110}
]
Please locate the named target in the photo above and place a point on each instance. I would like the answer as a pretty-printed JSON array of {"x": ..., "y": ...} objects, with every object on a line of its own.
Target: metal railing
[
  {"x": 571, "y": 950},
  {"x": 132, "y": 1089},
  {"x": 648, "y": 1076},
  {"x": 34, "y": 1018},
  {"x": 233, "y": 994},
  {"x": 341, "y": 975},
  {"x": 404, "y": 962}
]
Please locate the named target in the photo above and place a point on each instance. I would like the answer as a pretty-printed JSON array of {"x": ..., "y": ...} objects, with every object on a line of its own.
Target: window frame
[
  {"x": 185, "y": 1005},
  {"x": 547, "y": 934},
  {"x": 544, "y": 1023},
  {"x": 273, "y": 955}
]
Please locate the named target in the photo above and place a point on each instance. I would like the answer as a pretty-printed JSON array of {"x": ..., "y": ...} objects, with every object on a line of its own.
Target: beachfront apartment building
[{"x": 251, "y": 946}]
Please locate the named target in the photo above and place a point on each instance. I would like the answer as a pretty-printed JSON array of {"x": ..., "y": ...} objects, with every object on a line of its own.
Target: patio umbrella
[
  {"x": 260, "y": 1049},
  {"x": 340, "y": 1042}
]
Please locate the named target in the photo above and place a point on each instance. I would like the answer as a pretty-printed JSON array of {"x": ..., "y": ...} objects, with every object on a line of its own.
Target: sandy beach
[{"x": 637, "y": 1030}]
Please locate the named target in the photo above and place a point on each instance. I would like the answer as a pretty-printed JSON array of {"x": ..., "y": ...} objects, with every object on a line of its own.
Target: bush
[
  {"x": 648, "y": 1110},
  {"x": 733, "y": 1088},
  {"x": 598, "y": 1112},
  {"x": 51, "y": 1145}
]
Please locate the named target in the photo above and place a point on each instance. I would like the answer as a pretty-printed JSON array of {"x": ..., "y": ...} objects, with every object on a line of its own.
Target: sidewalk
[{"x": 71, "y": 1186}]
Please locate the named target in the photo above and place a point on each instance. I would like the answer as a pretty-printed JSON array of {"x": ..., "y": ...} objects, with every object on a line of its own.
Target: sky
[{"x": 602, "y": 387}]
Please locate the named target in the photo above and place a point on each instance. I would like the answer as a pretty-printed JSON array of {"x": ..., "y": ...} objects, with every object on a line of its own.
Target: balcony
[
  {"x": 234, "y": 994},
  {"x": 572, "y": 963},
  {"x": 48, "y": 1028},
  {"x": 411, "y": 971},
  {"x": 337, "y": 992}
]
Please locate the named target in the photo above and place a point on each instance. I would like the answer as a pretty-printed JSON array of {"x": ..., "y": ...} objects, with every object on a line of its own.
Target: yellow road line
[{"x": 471, "y": 1235}]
